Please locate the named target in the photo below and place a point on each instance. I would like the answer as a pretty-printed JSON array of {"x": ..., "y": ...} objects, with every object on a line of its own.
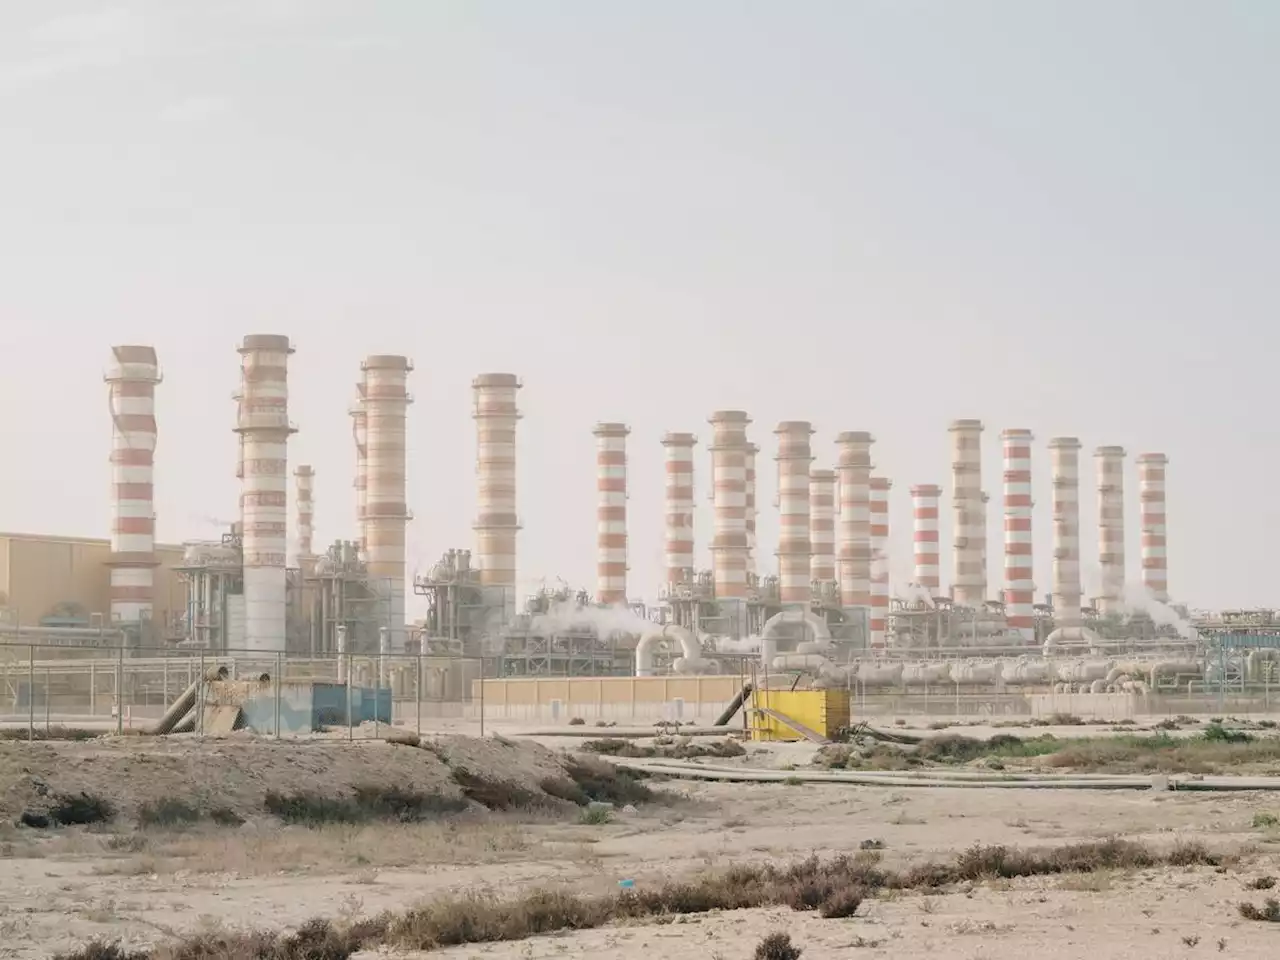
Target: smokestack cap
[
  {"x": 881, "y": 483},
  {"x": 270, "y": 342},
  {"x": 1109, "y": 452},
  {"x": 822, "y": 474},
  {"x": 679, "y": 440},
  {"x": 965, "y": 425},
  {"x": 304, "y": 470},
  {"x": 794, "y": 426},
  {"x": 1064, "y": 443},
  {"x": 854, "y": 436},
  {"x": 496, "y": 380},
  {"x": 611, "y": 430},
  {"x": 1017, "y": 433},
  {"x": 1153, "y": 458},
  {"x": 729, "y": 416},
  {"x": 926, "y": 490},
  {"x": 386, "y": 361}
]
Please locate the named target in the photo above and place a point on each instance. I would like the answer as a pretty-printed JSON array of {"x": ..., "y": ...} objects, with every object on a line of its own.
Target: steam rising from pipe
[{"x": 131, "y": 378}]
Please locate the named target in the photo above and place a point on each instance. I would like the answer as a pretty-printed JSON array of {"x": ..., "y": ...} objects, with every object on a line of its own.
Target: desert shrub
[
  {"x": 1265, "y": 821},
  {"x": 80, "y": 809},
  {"x": 169, "y": 812},
  {"x": 500, "y": 794},
  {"x": 613, "y": 747},
  {"x": 777, "y": 946},
  {"x": 1269, "y": 912},
  {"x": 1065, "y": 720},
  {"x": 55, "y": 732},
  {"x": 1217, "y": 733},
  {"x": 225, "y": 817},
  {"x": 595, "y": 816},
  {"x": 1262, "y": 883},
  {"x": 100, "y": 950},
  {"x": 577, "y": 722},
  {"x": 605, "y": 783},
  {"x": 365, "y": 804}
]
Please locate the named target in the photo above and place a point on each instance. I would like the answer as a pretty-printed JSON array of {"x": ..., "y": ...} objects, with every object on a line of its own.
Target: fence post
[
  {"x": 200, "y": 698},
  {"x": 482, "y": 693},
  {"x": 120, "y": 689},
  {"x": 31, "y": 693},
  {"x": 350, "y": 728},
  {"x": 279, "y": 668},
  {"x": 417, "y": 693},
  {"x": 48, "y": 685}
]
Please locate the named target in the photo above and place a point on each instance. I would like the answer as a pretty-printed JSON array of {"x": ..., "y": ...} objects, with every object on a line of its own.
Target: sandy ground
[{"x": 61, "y": 888}]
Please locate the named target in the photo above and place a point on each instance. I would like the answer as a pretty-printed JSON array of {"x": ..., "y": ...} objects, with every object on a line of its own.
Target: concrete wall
[
  {"x": 39, "y": 572},
  {"x": 557, "y": 699}
]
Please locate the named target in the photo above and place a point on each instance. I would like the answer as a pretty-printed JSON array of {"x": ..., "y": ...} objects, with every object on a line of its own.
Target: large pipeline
[{"x": 186, "y": 701}]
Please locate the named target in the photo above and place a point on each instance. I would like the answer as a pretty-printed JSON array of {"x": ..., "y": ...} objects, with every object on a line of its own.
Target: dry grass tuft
[
  {"x": 777, "y": 946},
  {"x": 615, "y": 747}
]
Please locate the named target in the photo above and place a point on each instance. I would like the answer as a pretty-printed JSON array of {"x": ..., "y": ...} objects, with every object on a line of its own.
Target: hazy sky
[{"x": 873, "y": 215}]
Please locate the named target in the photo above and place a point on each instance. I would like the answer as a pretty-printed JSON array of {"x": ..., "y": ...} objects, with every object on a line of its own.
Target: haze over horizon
[{"x": 874, "y": 216}]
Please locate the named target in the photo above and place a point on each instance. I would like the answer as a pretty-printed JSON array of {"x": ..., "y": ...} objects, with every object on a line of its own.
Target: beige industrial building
[{"x": 66, "y": 582}]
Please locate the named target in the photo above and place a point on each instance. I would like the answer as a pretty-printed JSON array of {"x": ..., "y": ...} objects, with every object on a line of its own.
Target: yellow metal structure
[{"x": 798, "y": 714}]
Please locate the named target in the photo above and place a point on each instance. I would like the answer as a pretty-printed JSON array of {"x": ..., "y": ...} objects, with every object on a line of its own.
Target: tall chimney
[
  {"x": 131, "y": 378},
  {"x": 794, "y": 458},
  {"x": 611, "y": 512},
  {"x": 302, "y": 478},
  {"x": 1151, "y": 492},
  {"x": 729, "y": 545},
  {"x": 386, "y": 402},
  {"x": 678, "y": 546},
  {"x": 360, "y": 434},
  {"x": 496, "y": 415},
  {"x": 854, "y": 553},
  {"x": 969, "y": 572},
  {"x": 1110, "y": 465},
  {"x": 1019, "y": 582},
  {"x": 880, "y": 487},
  {"x": 925, "y": 513},
  {"x": 1064, "y": 464},
  {"x": 263, "y": 424},
  {"x": 753, "y": 556},
  {"x": 822, "y": 524}
]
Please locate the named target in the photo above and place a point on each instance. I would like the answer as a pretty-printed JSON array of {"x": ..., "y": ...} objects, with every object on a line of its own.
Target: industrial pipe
[
  {"x": 186, "y": 700},
  {"x": 652, "y": 637}
]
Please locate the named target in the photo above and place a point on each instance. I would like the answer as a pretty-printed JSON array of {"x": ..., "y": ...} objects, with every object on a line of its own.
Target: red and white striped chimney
[
  {"x": 496, "y": 525},
  {"x": 794, "y": 458},
  {"x": 303, "y": 478},
  {"x": 924, "y": 534},
  {"x": 822, "y": 524},
  {"x": 753, "y": 511},
  {"x": 1151, "y": 493},
  {"x": 1019, "y": 582},
  {"x": 729, "y": 545},
  {"x": 611, "y": 512},
  {"x": 854, "y": 551},
  {"x": 678, "y": 545},
  {"x": 968, "y": 575},
  {"x": 131, "y": 377},
  {"x": 386, "y": 403},
  {"x": 263, "y": 424},
  {"x": 1064, "y": 465},
  {"x": 880, "y": 487},
  {"x": 1110, "y": 465},
  {"x": 359, "y": 433}
]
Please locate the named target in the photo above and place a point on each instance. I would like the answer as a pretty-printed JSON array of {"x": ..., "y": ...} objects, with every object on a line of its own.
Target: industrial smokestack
[
  {"x": 729, "y": 545},
  {"x": 880, "y": 487},
  {"x": 1019, "y": 576},
  {"x": 1151, "y": 492},
  {"x": 794, "y": 458},
  {"x": 925, "y": 513},
  {"x": 1064, "y": 464},
  {"x": 263, "y": 424},
  {"x": 678, "y": 546},
  {"x": 303, "y": 477},
  {"x": 611, "y": 512},
  {"x": 131, "y": 378},
  {"x": 1110, "y": 465},
  {"x": 359, "y": 433},
  {"x": 969, "y": 575},
  {"x": 753, "y": 558},
  {"x": 496, "y": 415},
  {"x": 386, "y": 402},
  {"x": 822, "y": 525},
  {"x": 854, "y": 465}
]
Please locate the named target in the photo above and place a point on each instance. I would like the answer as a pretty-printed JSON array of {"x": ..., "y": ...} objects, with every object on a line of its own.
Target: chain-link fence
[{"x": 46, "y": 689}]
